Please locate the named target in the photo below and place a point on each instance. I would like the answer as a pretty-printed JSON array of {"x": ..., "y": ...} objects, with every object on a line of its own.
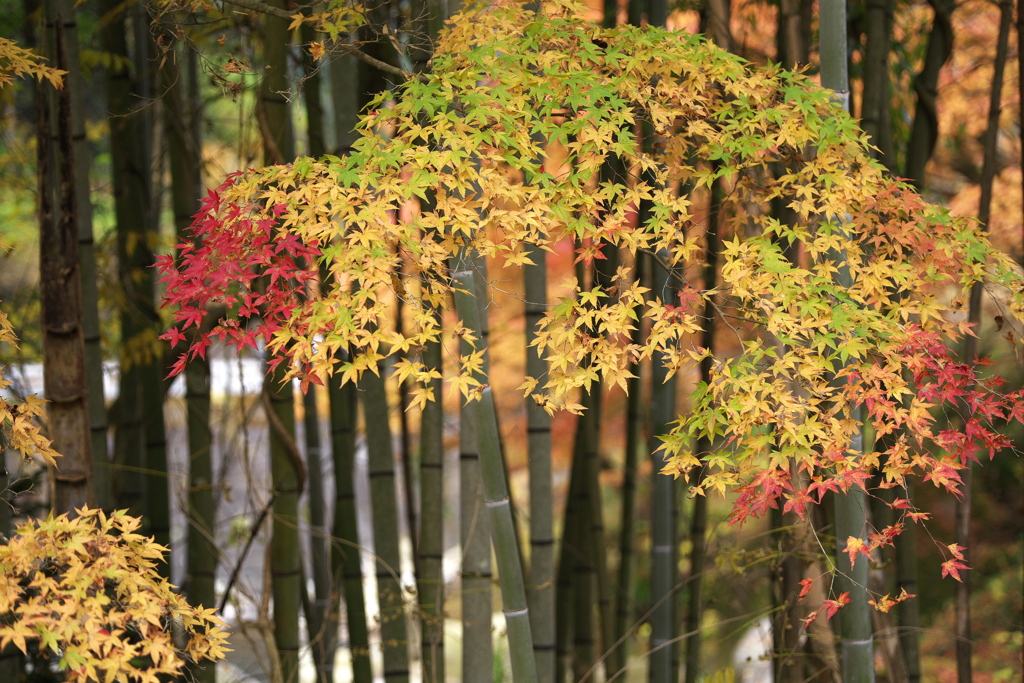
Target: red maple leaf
[
  {"x": 855, "y": 546},
  {"x": 833, "y": 606},
  {"x": 952, "y": 568},
  {"x": 173, "y": 335},
  {"x": 805, "y": 588}
]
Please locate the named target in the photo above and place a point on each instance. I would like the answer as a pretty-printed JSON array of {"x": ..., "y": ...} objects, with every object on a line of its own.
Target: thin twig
[
  {"x": 262, "y": 7},
  {"x": 680, "y": 279},
  {"x": 668, "y": 269},
  {"x": 245, "y": 551}
]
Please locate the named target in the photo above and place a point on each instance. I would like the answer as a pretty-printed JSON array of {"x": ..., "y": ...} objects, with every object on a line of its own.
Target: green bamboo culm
[
  {"x": 907, "y": 612},
  {"x": 385, "y": 528},
  {"x": 565, "y": 583},
  {"x": 964, "y": 644},
  {"x": 157, "y": 502},
  {"x": 286, "y": 468},
  {"x": 136, "y": 223},
  {"x": 346, "y": 574},
  {"x": 581, "y": 549},
  {"x": 541, "y": 592},
  {"x": 475, "y": 535},
  {"x": 604, "y": 276},
  {"x": 181, "y": 93},
  {"x": 875, "y": 108},
  {"x": 496, "y": 498},
  {"x": 131, "y": 201},
  {"x": 663, "y": 514},
  {"x": 430, "y": 584},
  {"x": 429, "y": 16},
  {"x": 856, "y": 646},
  {"x": 180, "y": 89},
  {"x": 634, "y": 433},
  {"x": 321, "y": 636},
  {"x": 704, "y": 445},
  {"x": 287, "y": 474}
]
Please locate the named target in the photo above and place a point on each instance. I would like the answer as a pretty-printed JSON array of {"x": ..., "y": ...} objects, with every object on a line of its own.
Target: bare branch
[
  {"x": 264, "y": 8},
  {"x": 378, "y": 64}
]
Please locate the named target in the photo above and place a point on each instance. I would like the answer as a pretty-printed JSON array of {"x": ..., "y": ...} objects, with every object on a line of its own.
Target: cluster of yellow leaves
[
  {"x": 336, "y": 19},
  {"x": 590, "y": 331},
  {"x": 16, "y": 62},
  {"x": 18, "y": 424},
  {"x": 87, "y": 591}
]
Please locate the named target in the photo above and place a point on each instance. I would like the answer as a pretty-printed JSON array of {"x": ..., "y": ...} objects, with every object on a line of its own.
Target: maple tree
[
  {"x": 85, "y": 588},
  {"x": 467, "y": 142}
]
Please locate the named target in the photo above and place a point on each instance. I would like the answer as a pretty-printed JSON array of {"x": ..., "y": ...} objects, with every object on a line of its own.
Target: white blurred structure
[{"x": 751, "y": 658}]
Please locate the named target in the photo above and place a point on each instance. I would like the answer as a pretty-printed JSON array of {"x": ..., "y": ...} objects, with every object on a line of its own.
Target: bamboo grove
[
  {"x": 793, "y": 331},
  {"x": 470, "y": 145}
]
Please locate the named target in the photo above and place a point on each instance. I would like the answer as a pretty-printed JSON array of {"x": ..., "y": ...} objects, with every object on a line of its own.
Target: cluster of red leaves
[
  {"x": 883, "y": 603},
  {"x": 939, "y": 382},
  {"x": 239, "y": 259},
  {"x": 952, "y": 566},
  {"x": 829, "y": 606},
  {"x": 858, "y": 546}
]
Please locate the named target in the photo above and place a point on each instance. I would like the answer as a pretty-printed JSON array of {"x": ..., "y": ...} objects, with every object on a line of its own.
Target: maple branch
[
  {"x": 264, "y": 8},
  {"x": 245, "y": 551},
  {"x": 287, "y": 440},
  {"x": 710, "y": 300},
  {"x": 681, "y": 280},
  {"x": 381, "y": 65},
  {"x": 668, "y": 268}
]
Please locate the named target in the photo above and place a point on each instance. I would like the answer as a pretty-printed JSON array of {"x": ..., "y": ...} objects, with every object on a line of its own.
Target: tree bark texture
[{"x": 64, "y": 379}]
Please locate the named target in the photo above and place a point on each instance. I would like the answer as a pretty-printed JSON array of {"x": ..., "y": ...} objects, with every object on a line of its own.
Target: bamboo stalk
[
  {"x": 286, "y": 467},
  {"x": 385, "y": 529},
  {"x": 964, "y": 645},
  {"x": 431, "y": 547},
  {"x": 287, "y": 475},
  {"x": 345, "y": 566},
  {"x": 698, "y": 523},
  {"x": 321, "y": 638},
  {"x": 130, "y": 203},
  {"x": 184, "y": 159},
  {"x": 541, "y": 588},
  {"x": 568, "y": 555},
  {"x": 584, "y": 548},
  {"x": 663, "y": 515},
  {"x": 496, "y": 499},
  {"x": 908, "y": 611},
  {"x": 474, "y": 532},
  {"x": 857, "y": 651},
  {"x": 345, "y": 547}
]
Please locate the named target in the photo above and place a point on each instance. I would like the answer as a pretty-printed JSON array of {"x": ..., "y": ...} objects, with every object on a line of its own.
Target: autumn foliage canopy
[{"x": 844, "y": 315}]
